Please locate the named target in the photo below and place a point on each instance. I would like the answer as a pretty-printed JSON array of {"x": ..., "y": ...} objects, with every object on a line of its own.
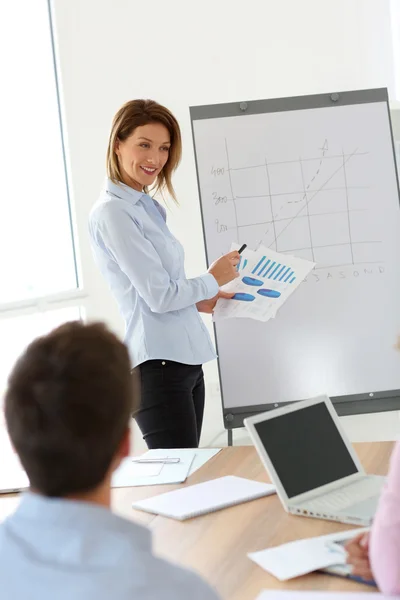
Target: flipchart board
[{"x": 313, "y": 176}]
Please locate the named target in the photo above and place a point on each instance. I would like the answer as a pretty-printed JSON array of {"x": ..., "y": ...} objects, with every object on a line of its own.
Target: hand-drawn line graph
[{"x": 314, "y": 207}]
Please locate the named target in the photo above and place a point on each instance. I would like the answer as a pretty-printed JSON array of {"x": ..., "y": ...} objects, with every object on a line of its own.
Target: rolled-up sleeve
[
  {"x": 384, "y": 542},
  {"x": 120, "y": 235}
]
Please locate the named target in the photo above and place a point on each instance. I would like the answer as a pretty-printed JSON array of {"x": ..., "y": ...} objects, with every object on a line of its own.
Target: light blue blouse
[{"x": 143, "y": 263}]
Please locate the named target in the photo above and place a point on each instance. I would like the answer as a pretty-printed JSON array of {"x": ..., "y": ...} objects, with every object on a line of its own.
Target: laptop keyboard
[{"x": 344, "y": 497}]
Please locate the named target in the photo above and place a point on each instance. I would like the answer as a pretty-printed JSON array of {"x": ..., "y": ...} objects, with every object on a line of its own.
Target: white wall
[
  {"x": 395, "y": 115},
  {"x": 395, "y": 18},
  {"x": 183, "y": 53}
]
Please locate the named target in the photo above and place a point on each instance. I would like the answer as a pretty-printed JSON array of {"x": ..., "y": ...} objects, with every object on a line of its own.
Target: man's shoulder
[{"x": 180, "y": 583}]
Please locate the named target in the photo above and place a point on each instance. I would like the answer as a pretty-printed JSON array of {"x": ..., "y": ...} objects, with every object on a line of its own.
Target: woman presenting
[{"x": 143, "y": 263}]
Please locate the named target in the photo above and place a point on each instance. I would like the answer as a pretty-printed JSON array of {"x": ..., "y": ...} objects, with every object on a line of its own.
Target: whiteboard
[{"x": 317, "y": 179}]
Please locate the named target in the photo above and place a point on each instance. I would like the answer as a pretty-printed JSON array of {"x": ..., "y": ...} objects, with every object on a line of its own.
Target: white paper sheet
[
  {"x": 202, "y": 455},
  {"x": 130, "y": 474},
  {"x": 308, "y": 595},
  {"x": 302, "y": 556},
  {"x": 266, "y": 281},
  {"x": 13, "y": 478}
]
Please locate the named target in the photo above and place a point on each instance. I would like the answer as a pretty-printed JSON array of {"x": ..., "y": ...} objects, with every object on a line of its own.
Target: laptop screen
[{"x": 306, "y": 449}]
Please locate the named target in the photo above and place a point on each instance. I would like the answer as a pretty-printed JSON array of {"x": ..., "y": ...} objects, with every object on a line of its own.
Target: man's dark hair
[{"x": 67, "y": 407}]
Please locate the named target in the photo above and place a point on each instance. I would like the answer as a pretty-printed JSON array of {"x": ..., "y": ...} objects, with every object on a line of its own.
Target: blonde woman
[{"x": 143, "y": 264}]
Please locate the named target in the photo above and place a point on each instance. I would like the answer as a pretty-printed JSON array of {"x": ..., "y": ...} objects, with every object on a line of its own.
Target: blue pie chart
[
  {"x": 244, "y": 297},
  {"x": 252, "y": 281},
  {"x": 269, "y": 293}
]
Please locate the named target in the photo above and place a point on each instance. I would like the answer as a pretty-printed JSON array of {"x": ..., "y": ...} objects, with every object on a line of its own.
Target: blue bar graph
[
  {"x": 286, "y": 271},
  {"x": 288, "y": 276},
  {"x": 241, "y": 264},
  {"x": 260, "y": 262},
  {"x": 279, "y": 272},
  {"x": 268, "y": 269},
  {"x": 271, "y": 275},
  {"x": 271, "y": 266},
  {"x": 264, "y": 268}
]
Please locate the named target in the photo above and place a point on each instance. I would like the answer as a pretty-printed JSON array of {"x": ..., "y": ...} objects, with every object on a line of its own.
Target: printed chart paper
[{"x": 266, "y": 280}]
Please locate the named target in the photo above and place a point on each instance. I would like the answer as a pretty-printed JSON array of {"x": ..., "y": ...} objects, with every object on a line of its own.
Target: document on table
[
  {"x": 131, "y": 473},
  {"x": 135, "y": 474},
  {"x": 302, "y": 556},
  {"x": 202, "y": 455},
  {"x": 266, "y": 280}
]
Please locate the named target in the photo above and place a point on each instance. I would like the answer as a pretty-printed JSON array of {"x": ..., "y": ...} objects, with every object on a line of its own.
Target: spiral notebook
[{"x": 204, "y": 498}]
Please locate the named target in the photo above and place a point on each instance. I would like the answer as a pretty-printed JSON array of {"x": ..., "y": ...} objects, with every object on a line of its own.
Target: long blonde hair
[{"x": 136, "y": 113}]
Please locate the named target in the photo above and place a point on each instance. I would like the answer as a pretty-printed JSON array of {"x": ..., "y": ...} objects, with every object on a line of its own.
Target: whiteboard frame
[{"x": 352, "y": 404}]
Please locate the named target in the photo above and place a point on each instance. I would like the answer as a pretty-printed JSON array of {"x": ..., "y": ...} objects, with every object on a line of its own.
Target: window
[
  {"x": 19, "y": 331},
  {"x": 39, "y": 282}
]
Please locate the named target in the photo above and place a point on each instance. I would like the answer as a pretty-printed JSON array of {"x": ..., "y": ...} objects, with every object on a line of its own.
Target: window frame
[{"x": 72, "y": 297}]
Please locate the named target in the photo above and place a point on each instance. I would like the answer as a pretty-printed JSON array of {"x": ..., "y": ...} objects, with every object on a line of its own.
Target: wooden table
[{"x": 216, "y": 545}]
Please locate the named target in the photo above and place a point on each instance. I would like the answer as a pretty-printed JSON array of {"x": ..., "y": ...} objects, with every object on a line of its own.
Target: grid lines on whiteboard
[{"x": 309, "y": 206}]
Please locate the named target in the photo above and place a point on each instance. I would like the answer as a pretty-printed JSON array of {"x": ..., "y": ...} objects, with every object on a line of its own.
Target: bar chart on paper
[
  {"x": 242, "y": 264},
  {"x": 266, "y": 281},
  {"x": 269, "y": 269}
]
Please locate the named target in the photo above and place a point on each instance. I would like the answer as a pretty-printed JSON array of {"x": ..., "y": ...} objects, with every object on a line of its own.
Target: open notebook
[{"x": 205, "y": 497}]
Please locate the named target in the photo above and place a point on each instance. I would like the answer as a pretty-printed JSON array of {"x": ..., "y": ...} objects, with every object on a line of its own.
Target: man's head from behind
[{"x": 68, "y": 406}]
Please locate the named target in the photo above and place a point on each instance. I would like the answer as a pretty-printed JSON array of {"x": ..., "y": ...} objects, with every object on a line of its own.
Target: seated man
[{"x": 68, "y": 406}]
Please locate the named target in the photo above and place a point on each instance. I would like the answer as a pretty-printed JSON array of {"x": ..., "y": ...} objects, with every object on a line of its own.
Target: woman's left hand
[
  {"x": 207, "y": 306},
  {"x": 358, "y": 556}
]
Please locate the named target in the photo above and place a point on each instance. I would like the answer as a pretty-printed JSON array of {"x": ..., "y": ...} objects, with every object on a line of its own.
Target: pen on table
[
  {"x": 242, "y": 248},
  {"x": 359, "y": 579},
  {"x": 166, "y": 460}
]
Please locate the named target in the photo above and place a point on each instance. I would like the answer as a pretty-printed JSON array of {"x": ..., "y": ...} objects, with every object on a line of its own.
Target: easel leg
[{"x": 230, "y": 437}]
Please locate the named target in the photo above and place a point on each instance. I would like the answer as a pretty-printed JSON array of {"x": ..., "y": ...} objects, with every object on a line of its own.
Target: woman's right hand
[{"x": 224, "y": 268}]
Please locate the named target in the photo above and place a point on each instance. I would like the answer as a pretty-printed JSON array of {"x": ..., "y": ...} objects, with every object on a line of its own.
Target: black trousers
[{"x": 172, "y": 404}]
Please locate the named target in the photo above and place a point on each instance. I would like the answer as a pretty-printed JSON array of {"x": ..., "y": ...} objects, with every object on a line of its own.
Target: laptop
[{"x": 312, "y": 463}]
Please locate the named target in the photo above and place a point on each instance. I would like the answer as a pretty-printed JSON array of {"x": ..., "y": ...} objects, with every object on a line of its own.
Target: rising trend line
[
  {"x": 312, "y": 197},
  {"x": 324, "y": 149}
]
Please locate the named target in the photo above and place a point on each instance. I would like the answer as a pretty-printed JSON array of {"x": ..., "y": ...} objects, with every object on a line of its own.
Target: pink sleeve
[{"x": 384, "y": 544}]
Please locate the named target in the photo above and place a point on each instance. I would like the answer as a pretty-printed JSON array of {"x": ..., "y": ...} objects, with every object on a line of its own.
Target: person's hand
[
  {"x": 207, "y": 306},
  {"x": 224, "y": 268},
  {"x": 358, "y": 556}
]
